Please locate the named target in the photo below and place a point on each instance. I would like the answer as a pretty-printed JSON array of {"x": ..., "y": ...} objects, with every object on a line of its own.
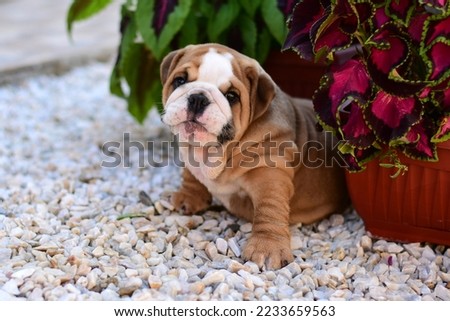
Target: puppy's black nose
[{"x": 197, "y": 103}]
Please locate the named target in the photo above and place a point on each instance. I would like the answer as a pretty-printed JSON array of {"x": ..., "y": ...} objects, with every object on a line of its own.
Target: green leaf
[
  {"x": 249, "y": 35},
  {"x": 159, "y": 46},
  {"x": 130, "y": 216},
  {"x": 274, "y": 20},
  {"x": 128, "y": 34},
  {"x": 386, "y": 165},
  {"x": 189, "y": 34},
  {"x": 140, "y": 70},
  {"x": 204, "y": 8},
  {"x": 83, "y": 9},
  {"x": 250, "y": 6},
  {"x": 142, "y": 77},
  {"x": 144, "y": 16},
  {"x": 174, "y": 24},
  {"x": 115, "y": 82},
  {"x": 443, "y": 133},
  {"x": 128, "y": 30},
  {"x": 264, "y": 45},
  {"x": 224, "y": 18}
]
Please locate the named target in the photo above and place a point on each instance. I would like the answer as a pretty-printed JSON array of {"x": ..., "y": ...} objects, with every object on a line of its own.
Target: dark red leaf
[
  {"x": 325, "y": 108},
  {"x": 347, "y": 16},
  {"x": 359, "y": 158},
  {"x": 400, "y": 88},
  {"x": 333, "y": 37},
  {"x": 391, "y": 109},
  {"x": 286, "y": 6},
  {"x": 352, "y": 163},
  {"x": 380, "y": 17},
  {"x": 340, "y": 82},
  {"x": 420, "y": 146},
  {"x": 391, "y": 117},
  {"x": 304, "y": 16},
  {"x": 416, "y": 26},
  {"x": 438, "y": 5},
  {"x": 350, "y": 78},
  {"x": 440, "y": 96},
  {"x": 364, "y": 11},
  {"x": 354, "y": 127},
  {"x": 401, "y": 9},
  {"x": 443, "y": 132},
  {"x": 439, "y": 55},
  {"x": 392, "y": 51},
  {"x": 424, "y": 93},
  {"x": 446, "y": 100},
  {"x": 438, "y": 29},
  {"x": 163, "y": 8}
]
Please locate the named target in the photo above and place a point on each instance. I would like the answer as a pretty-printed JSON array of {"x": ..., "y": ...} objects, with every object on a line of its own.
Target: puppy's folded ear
[
  {"x": 169, "y": 62},
  {"x": 262, "y": 91}
]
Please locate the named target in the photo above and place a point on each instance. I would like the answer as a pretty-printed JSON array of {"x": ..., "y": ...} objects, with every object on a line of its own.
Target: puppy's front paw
[
  {"x": 189, "y": 204},
  {"x": 263, "y": 250}
]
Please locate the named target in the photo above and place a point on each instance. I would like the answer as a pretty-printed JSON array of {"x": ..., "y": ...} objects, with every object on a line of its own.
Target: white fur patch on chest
[
  {"x": 216, "y": 68},
  {"x": 207, "y": 173}
]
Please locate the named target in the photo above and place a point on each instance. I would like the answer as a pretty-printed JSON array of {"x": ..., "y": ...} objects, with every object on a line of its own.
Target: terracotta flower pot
[
  {"x": 414, "y": 207},
  {"x": 410, "y": 208}
]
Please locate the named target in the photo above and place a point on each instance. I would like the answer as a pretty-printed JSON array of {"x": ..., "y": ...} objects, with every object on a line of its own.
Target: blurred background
[{"x": 33, "y": 35}]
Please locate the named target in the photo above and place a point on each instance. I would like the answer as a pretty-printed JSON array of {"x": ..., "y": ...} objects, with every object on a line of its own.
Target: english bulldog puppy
[{"x": 251, "y": 146}]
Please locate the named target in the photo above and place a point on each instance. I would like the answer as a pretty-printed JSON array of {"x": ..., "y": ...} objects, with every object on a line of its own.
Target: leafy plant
[
  {"x": 387, "y": 88},
  {"x": 152, "y": 28}
]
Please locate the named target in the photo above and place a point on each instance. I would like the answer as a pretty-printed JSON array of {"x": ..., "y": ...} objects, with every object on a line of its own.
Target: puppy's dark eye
[
  {"x": 178, "y": 81},
  {"x": 232, "y": 97}
]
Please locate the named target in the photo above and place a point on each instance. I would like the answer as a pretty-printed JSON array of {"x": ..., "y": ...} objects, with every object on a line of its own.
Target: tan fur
[{"x": 271, "y": 197}]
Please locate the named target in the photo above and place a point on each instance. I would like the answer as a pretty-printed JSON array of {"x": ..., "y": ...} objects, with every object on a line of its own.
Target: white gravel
[{"x": 61, "y": 237}]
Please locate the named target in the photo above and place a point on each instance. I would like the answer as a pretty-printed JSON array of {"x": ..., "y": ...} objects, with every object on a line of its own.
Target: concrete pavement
[{"x": 33, "y": 36}]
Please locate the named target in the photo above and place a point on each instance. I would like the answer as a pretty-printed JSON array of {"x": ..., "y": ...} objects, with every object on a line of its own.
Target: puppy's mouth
[{"x": 192, "y": 126}]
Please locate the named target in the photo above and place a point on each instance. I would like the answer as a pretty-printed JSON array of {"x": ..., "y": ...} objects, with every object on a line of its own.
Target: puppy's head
[{"x": 212, "y": 93}]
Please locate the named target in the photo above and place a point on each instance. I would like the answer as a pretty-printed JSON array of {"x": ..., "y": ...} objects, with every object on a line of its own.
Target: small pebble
[
  {"x": 366, "y": 242},
  {"x": 11, "y": 287},
  {"x": 336, "y": 220},
  {"x": 394, "y": 248},
  {"x": 166, "y": 204},
  {"x": 246, "y": 228},
  {"x": 442, "y": 292},
  {"x": 428, "y": 254},
  {"x": 154, "y": 282},
  {"x": 159, "y": 208},
  {"x": 296, "y": 243},
  {"x": 222, "y": 245},
  {"x": 98, "y": 251},
  {"x": 211, "y": 251},
  {"x": 234, "y": 247},
  {"x": 24, "y": 273},
  {"x": 235, "y": 266},
  {"x": 214, "y": 277},
  {"x": 130, "y": 286}
]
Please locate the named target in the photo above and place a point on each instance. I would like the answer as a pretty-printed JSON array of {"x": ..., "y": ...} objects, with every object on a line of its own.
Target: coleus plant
[
  {"x": 387, "y": 87},
  {"x": 152, "y": 28}
]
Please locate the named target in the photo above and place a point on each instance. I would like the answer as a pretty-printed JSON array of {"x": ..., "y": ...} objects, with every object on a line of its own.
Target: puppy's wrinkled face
[{"x": 201, "y": 93}]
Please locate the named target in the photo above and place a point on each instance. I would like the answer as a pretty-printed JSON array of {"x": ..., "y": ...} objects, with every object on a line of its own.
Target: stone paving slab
[{"x": 33, "y": 36}]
